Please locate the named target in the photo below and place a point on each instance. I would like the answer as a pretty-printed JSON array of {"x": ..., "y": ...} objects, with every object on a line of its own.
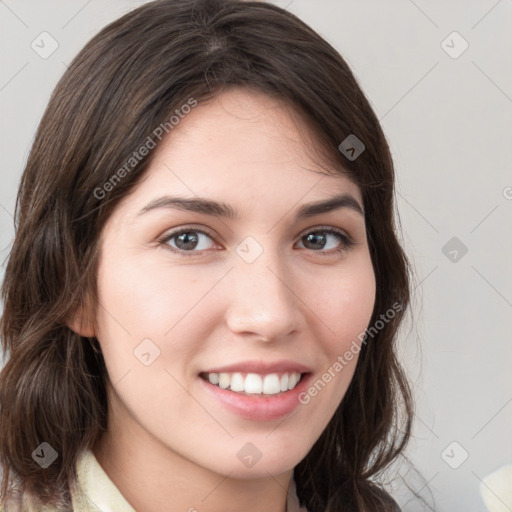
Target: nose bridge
[{"x": 262, "y": 299}]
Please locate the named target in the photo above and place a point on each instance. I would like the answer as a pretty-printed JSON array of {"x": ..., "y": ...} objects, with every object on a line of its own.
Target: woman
[{"x": 203, "y": 295}]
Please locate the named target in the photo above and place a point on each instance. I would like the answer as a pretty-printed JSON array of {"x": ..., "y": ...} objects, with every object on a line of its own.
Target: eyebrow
[{"x": 220, "y": 209}]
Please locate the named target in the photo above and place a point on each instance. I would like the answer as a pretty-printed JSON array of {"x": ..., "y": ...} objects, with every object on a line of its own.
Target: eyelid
[
  {"x": 329, "y": 228},
  {"x": 168, "y": 235}
]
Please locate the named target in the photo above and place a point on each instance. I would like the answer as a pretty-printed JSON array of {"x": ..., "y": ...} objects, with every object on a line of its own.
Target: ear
[{"x": 81, "y": 322}]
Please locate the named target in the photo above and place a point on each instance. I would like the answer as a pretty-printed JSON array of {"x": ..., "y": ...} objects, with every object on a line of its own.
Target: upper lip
[{"x": 262, "y": 367}]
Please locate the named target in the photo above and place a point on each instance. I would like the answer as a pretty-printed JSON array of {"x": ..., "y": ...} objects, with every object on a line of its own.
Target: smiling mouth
[{"x": 254, "y": 384}]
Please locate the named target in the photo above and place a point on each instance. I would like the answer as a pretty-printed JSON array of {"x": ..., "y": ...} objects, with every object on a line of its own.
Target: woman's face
[{"x": 190, "y": 294}]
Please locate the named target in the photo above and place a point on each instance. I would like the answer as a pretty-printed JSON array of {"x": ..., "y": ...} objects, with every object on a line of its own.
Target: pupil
[
  {"x": 190, "y": 241},
  {"x": 313, "y": 237}
]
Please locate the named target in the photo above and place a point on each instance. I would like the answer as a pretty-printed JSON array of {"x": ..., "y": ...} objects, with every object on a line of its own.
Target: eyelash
[{"x": 346, "y": 241}]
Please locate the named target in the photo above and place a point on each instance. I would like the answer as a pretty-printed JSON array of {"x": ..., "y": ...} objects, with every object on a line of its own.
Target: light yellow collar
[{"x": 96, "y": 491}]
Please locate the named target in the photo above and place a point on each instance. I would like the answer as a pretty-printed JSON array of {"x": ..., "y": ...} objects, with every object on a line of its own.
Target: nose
[{"x": 262, "y": 301}]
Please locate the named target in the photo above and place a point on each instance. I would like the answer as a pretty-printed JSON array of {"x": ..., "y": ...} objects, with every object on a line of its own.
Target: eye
[
  {"x": 318, "y": 239},
  {"x": 186, "y": 240}
]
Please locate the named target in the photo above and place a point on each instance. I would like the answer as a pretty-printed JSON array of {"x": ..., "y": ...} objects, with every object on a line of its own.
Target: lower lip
[{"x": 259, "y": 407}]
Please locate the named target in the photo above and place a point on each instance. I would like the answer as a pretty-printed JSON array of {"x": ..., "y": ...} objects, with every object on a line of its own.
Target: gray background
[{"x": 449, "y": 124}]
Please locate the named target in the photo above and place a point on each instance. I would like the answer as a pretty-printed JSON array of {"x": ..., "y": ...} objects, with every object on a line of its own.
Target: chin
[{"x": 247, "y": 462}]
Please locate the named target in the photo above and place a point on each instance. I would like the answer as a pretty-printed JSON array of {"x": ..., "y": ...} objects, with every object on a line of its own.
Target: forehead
[{"x": 245, "y": 148}]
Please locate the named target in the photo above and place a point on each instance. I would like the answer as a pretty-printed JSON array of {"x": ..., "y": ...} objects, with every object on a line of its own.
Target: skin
[{"x": 170, "y": 445}]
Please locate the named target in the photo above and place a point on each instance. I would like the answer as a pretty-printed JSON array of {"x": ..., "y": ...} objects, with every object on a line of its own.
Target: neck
[{"x": 152, "y": 477}]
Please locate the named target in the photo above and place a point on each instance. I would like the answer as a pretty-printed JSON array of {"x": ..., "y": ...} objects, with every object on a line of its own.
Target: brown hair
[{"x": 126, "y": 82}]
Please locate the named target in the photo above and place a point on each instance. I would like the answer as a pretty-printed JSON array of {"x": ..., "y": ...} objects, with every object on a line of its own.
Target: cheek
[
  {"x": 345, "y": 304},
  {"x": 150, "y": 331},
  {"x": 345, "y": 309},
  {"x": 142, "y": 300},
  {"x": 147, "y": 294}
]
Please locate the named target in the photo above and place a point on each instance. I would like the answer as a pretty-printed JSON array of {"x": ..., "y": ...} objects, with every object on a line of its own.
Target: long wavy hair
[{"x": 127, "y": 81}]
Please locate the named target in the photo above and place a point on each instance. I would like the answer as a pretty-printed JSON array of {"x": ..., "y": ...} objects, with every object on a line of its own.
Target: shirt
[{"x": 95, "y": 492}]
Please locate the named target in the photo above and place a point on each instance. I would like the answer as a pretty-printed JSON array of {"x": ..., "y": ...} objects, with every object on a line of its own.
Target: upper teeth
[{"x": 270, "y": 384}]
